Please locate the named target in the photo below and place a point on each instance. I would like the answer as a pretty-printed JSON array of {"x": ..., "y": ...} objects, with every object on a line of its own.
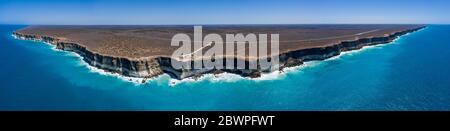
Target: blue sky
[{"x": 162, "y": 12}]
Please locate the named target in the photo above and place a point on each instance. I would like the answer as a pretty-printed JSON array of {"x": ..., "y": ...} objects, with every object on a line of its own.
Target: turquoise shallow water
[{"x": 409, "y": 74}]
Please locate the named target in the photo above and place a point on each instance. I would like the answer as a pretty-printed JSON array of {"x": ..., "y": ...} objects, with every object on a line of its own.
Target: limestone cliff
[{"x": 154, "y": 66}]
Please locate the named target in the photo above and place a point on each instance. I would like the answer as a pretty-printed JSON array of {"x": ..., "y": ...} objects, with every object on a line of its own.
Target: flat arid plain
[
  {"x": 146, "y": 51},
  {"x": 145, "y": 41}
]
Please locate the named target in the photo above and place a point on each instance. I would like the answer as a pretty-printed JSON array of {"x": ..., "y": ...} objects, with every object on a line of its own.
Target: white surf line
[
  {"x": 90, "y": 68},
  {"x": 219, "y": 77},
  {"x": 276, "y": 75}
]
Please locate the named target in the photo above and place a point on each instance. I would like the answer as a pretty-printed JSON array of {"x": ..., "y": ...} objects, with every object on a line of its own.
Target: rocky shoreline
[{"x": 154, "y": 66}]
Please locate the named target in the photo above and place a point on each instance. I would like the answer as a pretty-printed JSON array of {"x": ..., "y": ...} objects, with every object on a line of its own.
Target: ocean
[{"x": 411, "y": 73}]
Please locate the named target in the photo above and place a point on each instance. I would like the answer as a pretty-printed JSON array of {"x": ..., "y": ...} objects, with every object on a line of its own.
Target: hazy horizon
[
  {"x": 215, "y": 24},
  {"x": 222, "y": 12}
]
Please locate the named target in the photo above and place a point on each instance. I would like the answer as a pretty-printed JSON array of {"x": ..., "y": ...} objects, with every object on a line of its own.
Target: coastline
[
  {"x": 229, "y": 77},
  {"x": 293, "y": 59}
]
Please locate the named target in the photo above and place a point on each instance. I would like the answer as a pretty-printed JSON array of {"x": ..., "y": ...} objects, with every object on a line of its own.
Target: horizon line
[{"x": 227, "y": 24}]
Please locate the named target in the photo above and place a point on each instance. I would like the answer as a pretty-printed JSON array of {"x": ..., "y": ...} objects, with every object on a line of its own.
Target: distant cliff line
[{"x": 154, "y": 66}]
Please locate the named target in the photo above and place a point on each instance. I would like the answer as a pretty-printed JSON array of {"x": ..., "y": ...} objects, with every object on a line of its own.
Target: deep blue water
[{"x": 411, "y": 73}]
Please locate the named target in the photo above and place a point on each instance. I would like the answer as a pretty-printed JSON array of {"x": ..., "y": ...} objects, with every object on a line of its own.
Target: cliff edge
[{"x": 155, "y": 65}]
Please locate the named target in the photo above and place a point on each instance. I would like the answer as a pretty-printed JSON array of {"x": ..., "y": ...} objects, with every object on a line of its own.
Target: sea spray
[{"x": 214, "y": 78}]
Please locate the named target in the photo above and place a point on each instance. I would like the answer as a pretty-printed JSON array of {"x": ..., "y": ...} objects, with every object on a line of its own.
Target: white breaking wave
[
  {"x": 223, "y": 77},
  {"x": 214, "y": 78},
  {"x": 276, "y": 75},
  {"x": 229, "y": 77},
  {"x": 93, "y": 69}
]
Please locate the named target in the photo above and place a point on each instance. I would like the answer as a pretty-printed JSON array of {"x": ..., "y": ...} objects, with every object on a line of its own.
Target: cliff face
[
  {"x": 151, "y": 67},
  {"x": 124, "y": 66}
]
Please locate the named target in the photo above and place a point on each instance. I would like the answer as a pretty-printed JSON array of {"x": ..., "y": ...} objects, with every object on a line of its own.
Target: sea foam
[
  {"x": 223, "y": 77},
  {"x": 276, "y": 75}
]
